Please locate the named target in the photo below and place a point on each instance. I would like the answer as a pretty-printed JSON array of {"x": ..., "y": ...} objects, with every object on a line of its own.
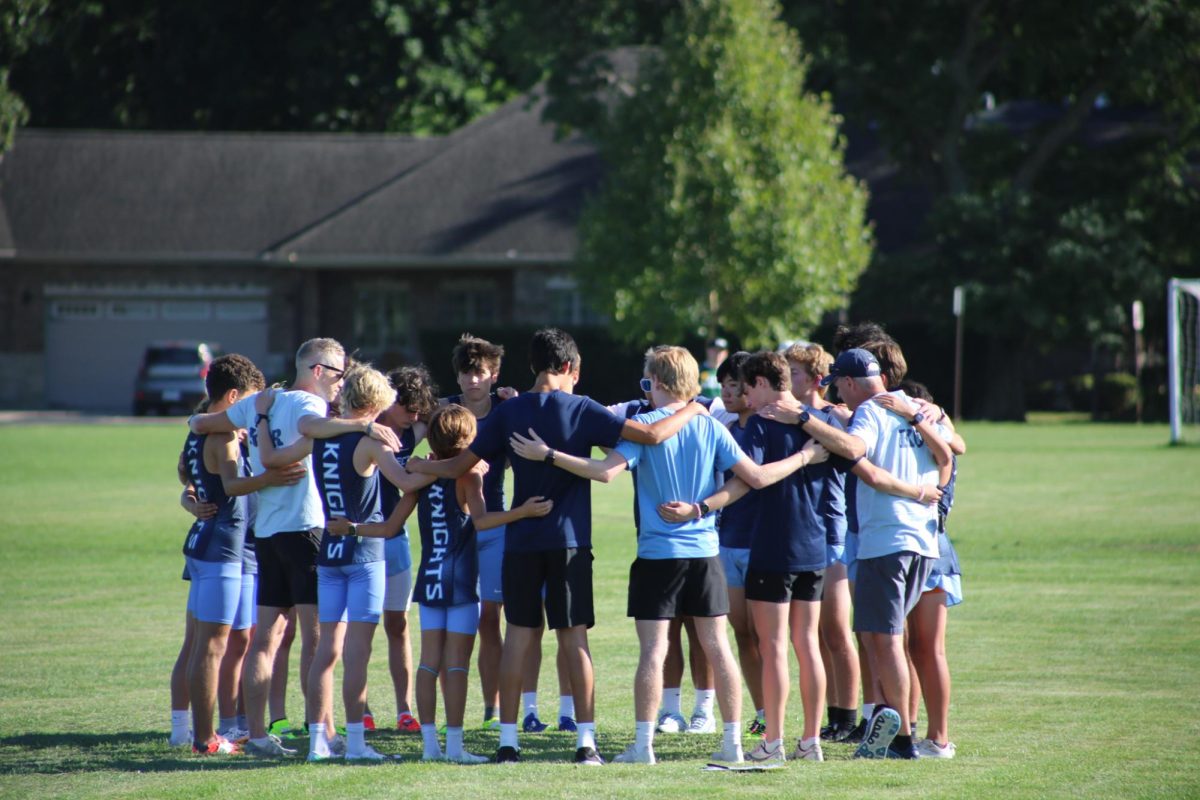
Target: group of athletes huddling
[{"x": 768, "y": 506}]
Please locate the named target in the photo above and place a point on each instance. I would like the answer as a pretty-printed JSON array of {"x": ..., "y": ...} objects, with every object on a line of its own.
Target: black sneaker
[
  {"x": 828, "y": 732},
  {"x": 856, "y": 734},
  {"x": 588, "y": 757},
  {"x": 895, "y": 751},
  {"x": 507, "y": 755}
]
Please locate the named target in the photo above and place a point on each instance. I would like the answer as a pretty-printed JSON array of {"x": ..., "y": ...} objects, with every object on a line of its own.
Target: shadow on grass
[{"x": 49, "y": 753}]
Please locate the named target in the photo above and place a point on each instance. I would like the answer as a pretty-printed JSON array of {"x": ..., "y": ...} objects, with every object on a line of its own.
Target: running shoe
[
  {"x": 729, "y": 754},
  {"x": 884, "y": 726},
  {"x": 271, "y": 749},
  {"x": 370, "y": 754},
  {"x": 928, "y": 748},
  {"x": 532, "y": 724},
  {"x": 507, "y": 755},
  {"x": 636, "y": 755},
  {"x": 567, "y": 724},
  {"x": 588, "y": 757},
  {"x": 757, "y": 727},
  {"x": 337, "y": 745},
  {"x": 407, "y": 723},
  {"x": 216, "y": 746},
  {"x": 702, "y": 723},
  {"x": 492, "y": 724},
  {"x": 801, "y": 753},
  {"x": 283, "y": 729},
  {"x": 368, "y": 721},
  {"x": 466, "y": 758},
  {"x": 909, "y": 753},
  {"x": 860, "y": 731},
  {"x": 235, "y": 735},
  {"x": 762, "y": 754},
  {"x": 184, "y": 740},
  {"x": 671, "y": 723}
]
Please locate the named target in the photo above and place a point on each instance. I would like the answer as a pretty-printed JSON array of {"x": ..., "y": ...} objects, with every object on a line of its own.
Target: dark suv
[{"x": 171, "y": 377}]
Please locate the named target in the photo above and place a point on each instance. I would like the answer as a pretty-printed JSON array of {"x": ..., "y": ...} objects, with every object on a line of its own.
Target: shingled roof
[{"x": 498, "y": 189}]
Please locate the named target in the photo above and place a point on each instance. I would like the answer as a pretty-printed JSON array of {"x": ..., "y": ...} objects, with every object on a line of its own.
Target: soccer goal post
[{"x": 1183, "y": 356}]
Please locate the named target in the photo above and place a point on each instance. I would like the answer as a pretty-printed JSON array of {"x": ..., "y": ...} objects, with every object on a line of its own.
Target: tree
[
  {"x": 20, "y": 21},
  {"x": 725, "y": 203},
  {"x": 421, "y": 66},
  {"x": 1052, "y": 140}
]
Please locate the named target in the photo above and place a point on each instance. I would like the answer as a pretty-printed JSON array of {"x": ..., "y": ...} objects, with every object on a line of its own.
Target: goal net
[{"x": 1183, "y": 358}]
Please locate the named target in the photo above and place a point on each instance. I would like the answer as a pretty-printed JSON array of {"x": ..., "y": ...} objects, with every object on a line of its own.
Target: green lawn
[{"x": 1075, "y": 656}]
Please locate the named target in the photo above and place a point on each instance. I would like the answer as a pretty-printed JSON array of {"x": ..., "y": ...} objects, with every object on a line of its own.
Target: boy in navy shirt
[{"x": 553, "y": 552}]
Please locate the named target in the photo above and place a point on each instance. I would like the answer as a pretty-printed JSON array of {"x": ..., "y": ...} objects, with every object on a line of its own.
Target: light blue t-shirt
[
  {"x": 887, "y": 523},
  {"x": 283, "y": 508},
  {"x": 684, "y": 467}
]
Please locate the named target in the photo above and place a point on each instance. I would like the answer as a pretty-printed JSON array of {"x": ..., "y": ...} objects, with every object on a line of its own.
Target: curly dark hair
[
  {"x": 771, "y": 366},
  {"x": 473, "y": 354},
  {"x": 233, "y": 371},
  {"x": 415, "y": 389}
]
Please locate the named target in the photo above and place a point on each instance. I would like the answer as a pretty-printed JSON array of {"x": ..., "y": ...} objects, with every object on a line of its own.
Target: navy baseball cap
[{"x": 856, "y": 363}]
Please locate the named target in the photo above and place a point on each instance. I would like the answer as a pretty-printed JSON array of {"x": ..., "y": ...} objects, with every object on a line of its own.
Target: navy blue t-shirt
[
  {"x": 389, "y": 495},
  {"x": 249, "y": 551},
  {"x": 345, "y": 493},
  {"x": 832, "y": 471},
  {"x": 449, "y": 571},
  {"x": 220, "y": 538},
  {"x": 789, "y": 534},
  {"x": 736, "y": 527},
  {"x": 493, "y": 481},
  {"x": 568, "y": 423}
]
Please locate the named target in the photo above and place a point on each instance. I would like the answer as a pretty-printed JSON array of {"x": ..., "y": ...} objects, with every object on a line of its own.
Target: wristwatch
[
  {"x": 917, "y": 419},
  {"x": 704, "y": 509},
  {"x": 549, "y": 459},
  {"x": 804, "y": 417},
  {"x": 353, "y": 529}
]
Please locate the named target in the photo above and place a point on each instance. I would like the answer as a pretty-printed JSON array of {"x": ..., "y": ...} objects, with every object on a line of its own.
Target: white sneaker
[
  {"x": 761, "y": 754},
  {"x": 702, "y": 723},
  {"x": 466, "y": 758},
  {"x": 180, "y": 741},
  {"x": 236, "y": 735},
  {"x": 671, "y": 723},
  {"x": 370, "y": 754},
  {"x": 636, "y": 755},
  {"x": 811, "y": 754},
  {"x": 439, "y": 756},
  {"x": 729, "y": 755},
  {"x": 928, "y": 748}
]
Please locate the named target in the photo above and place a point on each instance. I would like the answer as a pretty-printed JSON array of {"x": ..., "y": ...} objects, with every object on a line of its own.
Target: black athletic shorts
[
  {"x": 561, "y": 580},
  {"x": 665, "y": 588},
  {"x": 784, "y": 587},
  {"x": 287, "y": 568}
]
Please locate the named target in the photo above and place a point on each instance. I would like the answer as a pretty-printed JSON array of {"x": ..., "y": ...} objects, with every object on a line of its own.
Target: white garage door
[{"x": 95, "y": 337}]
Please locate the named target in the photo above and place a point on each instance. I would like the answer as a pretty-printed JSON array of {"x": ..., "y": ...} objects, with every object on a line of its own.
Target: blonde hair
[
  {"x": 451, "y": 428},
  {"x": 316, "y": 351},
  {"x": 812, "y": 357},
  {"x": 365, "y": 389},
  {"x": 676, "y": 369}
]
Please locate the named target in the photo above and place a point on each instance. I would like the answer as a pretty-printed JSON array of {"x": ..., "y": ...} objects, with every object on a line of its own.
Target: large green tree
[
  {"x": 725, "y": 203},
  {"x": 20, "y": 23},
  {"x": 1051, "y": 141},
  {"x": 420, "y": 66}
]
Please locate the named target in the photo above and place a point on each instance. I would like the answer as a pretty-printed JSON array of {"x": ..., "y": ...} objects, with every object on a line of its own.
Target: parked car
[{"x": 171, "y": 377}]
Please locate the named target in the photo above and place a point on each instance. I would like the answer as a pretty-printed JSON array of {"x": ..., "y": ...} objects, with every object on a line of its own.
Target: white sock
[
  {"x": 566, "y": 706},
  {"x": 671, "y": 701},
  {"x": 586, "y": 735},
  {"x": 356, "y": 741},
  {"x": 704, "y": 702},
  {"x": 242, "y": 722},
  {"x": 645, "y": 735},
  {"x": 809, "y": 744},
  {"x": 429, "y": 737},
  {"x": 226, "y": 724},
  {"x": 508, "y": 735},
  {"x": 867, "y": 711},
  {"x": 454, "y": 742},
  {"x": 179, "y": 723},
  {"x": 733, "y": 734},
  {"x": 318, "y": 744}
]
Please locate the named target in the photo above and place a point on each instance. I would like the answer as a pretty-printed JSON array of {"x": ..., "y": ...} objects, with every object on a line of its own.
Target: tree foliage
[
  {"x": 421, "y": 66},
  {"x": 20, "y": 22},
  {"x": 725, "y": 204}
]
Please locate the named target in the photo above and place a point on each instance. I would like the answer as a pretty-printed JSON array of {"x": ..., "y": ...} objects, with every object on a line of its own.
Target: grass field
[{"x": 1076, "y": 656}]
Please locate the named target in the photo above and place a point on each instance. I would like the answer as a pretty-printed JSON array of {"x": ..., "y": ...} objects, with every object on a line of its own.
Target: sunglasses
[
  {"x": 646, "y": 384},
  {"x": 339, "y": 373}
]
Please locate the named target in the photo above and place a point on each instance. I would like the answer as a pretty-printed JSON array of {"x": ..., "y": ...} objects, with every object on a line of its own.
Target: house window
[
  {"x": 382, "y": 321},
  {"x": 565, "y": 304},
  {"x": 186, "y": 309},
  {"x": 132, "y": 309},
  {"x": 463, "y": 303},
  {"x": 76, "y": 309}
]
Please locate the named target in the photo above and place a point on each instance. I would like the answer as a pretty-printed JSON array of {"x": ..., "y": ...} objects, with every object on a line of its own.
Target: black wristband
[
  {"x": 804, "y": 417},
  {"x": 917, "y": 419},
  {"x": 704, "y": 509},
  {"x": 549, "y": 459}
]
